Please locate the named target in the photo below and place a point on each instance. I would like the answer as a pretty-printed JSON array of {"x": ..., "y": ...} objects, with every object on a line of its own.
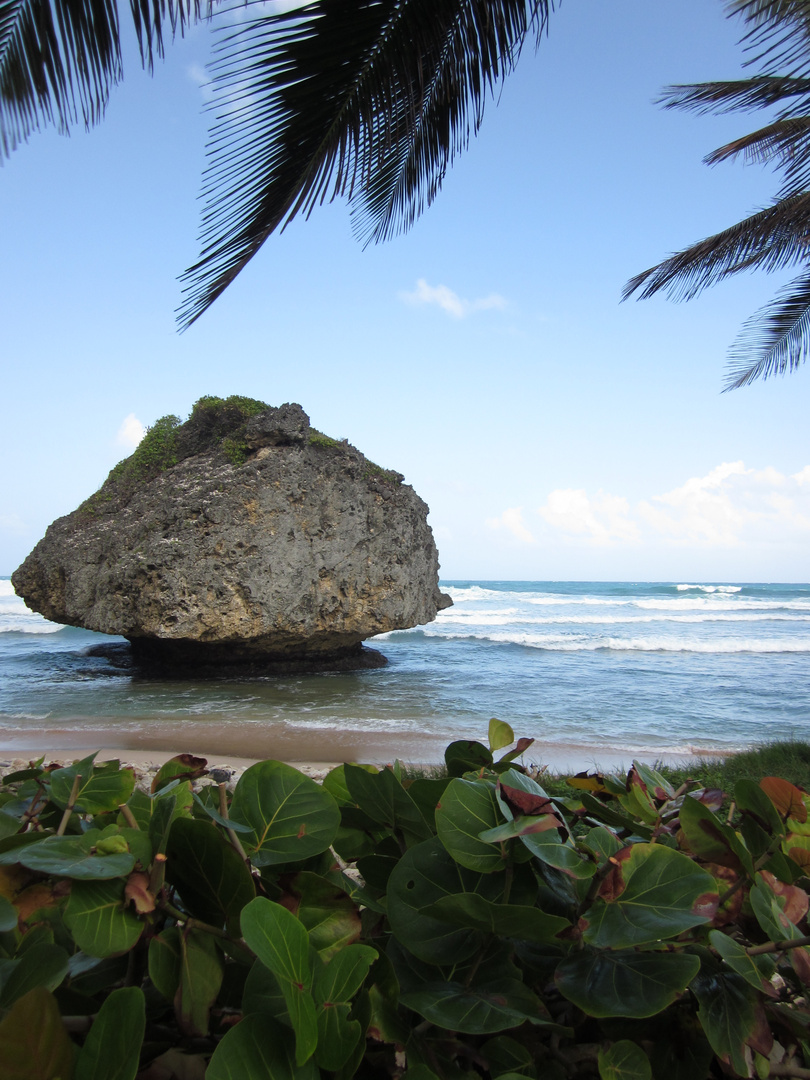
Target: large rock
[{"x": 241, "y": 536}]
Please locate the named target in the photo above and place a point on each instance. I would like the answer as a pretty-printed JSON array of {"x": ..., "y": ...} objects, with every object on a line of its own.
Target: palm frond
[
  {"x": 368, "y": 99},
  {"x": 778, "y": 33},
  {"x": 785, "y": 143},
  {"x": 770, "y": 240},
  {"x": 60, "y": 58},
  {"x": 155, "y": 20},
  {"x": 775, "y": 340},
  {"x": 734, "y": 95},
  {"x": 478, "y": 50}
]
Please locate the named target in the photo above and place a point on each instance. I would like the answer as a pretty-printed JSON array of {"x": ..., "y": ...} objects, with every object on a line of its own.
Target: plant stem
[
  {"x": 223, "y": 809},
  {"x": 74, "y": 791},
  {"x": 778, "y": 946},
  {"x": 129, "y": 817},
  {"x": 790, "y": 1070},
  {"x": 198, "y": 924}
]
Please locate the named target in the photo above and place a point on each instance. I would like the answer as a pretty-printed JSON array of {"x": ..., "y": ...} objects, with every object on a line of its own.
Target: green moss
[
  {"x": 156, "y": 452},
  {"x": 379, "y": 473},
  {"x": 243, "y": 407},
  {"x": 317, "y": 438}
]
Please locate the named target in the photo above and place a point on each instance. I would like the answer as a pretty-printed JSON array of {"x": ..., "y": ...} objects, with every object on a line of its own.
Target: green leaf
[
  {"x": 424, "y": 875},
  {"x": 770, "y": 914},
  {"x": 291, "y": 817},
  {"x": 466, "y": 756},
  {"x": 165, "y": 962},
  {"x": 482, "y": 1010},
  {"x": 383, "y": 798},
  {"x": 335, "y": 986},
  {"x": 8, "y": 915},
  {"x": 102, "y": 789},
  {"x": 624, "y": 1060},
  {"x": 711, "y": 839},
  {"x": 180, "y": 767},
  {"x": 467, "y": 809},
  {"x": 263, "y": 994},
  {"x": 335, "y": 783},
  {"x": 663, "y": 894},
  {"x": 500, "y": 735},
  {"x": 169, "y": 805},
  {"x": 215, "y": 815},
  {"x": 342, "y": 977},
  {"x": 280, "y": 942},
  {"x": 70, "y": 856},
  {"x": 752, "y": 800},
  {"x": 201, "y": 969},
  {"x": 326, "y": 912},
  {"x": 728, "y": 1014},
  {"x": 33, "y": 1042},
  {"x": 257, "y": 1048},
  {"x": 112, "y": 1049},
  {"x": 9, "y": 825},
  {"x": 41, "y": 965},
  {"x": 507, "y": 920},
  {"x": 756, "y": 970},
  {"x": 504, "y": 1054},
  {"x": 210, "y": 875},
  {"x": 97, "y": 919},
  {"x": 624, "y": 982}
]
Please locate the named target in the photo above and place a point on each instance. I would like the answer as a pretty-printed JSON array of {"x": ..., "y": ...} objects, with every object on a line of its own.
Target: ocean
[{"x": 597, "y": 672}]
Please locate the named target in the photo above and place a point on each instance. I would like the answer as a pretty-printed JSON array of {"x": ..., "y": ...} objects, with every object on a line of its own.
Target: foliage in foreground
[{"x": 447, "y": 928}]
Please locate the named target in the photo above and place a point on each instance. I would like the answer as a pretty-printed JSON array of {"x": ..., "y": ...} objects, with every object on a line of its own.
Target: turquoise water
[{"x": 638, "y": 667}]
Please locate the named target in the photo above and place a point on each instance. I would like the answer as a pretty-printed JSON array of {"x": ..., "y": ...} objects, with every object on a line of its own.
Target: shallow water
[{"x": 638, "y": 668}]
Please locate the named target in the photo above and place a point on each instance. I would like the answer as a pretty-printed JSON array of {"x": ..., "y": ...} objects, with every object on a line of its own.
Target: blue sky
[{"x": 554, "y": 432}]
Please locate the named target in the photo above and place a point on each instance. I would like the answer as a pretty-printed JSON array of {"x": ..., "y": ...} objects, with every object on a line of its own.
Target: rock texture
[{"x": 241, "y": 538}]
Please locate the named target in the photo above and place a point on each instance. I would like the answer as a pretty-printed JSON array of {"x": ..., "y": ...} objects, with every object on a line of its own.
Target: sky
[{"x": 556, "y": 433}]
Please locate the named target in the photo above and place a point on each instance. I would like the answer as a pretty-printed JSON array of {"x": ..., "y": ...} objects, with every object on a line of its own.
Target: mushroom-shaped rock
[{"x": 242, "y": 536}]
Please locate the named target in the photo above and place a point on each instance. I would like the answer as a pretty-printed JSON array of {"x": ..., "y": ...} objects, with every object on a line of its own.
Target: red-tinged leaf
[
  {"x": 726, "y": 878},
  {"x": 33, "y": 1042},
  {"x": 787, "y": 798},
  {"x": 712, "y": 798},
  {"x": 585, "y": 781},
  {"x": 137, "y": 892},
  {"x": 182, "y": 766},
  {"x": 801, "y": 856},
  {"x": 800, "y": 959},
  {"x": 794, "y": 901},
  {"x": 522, "y": 745},
  {"x": 526, "y": 803},
  {"x": 613, "y": 883}
]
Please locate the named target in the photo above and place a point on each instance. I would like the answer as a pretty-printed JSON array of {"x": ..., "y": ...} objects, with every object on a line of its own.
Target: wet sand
[{"x": 301, "y": 747}]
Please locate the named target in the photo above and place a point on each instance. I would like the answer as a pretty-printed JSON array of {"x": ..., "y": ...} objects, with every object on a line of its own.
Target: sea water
[{"x": 599, "y": 667}]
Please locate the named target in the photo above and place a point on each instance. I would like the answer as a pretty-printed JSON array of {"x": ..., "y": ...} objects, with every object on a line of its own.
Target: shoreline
[{"x": 317, "y": 753}]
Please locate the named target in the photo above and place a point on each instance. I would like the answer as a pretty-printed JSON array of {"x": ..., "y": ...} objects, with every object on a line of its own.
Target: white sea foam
[
  {"x": 710, "y": 588},
  {"x": 15, "y": 617},
  {"x": 593, "y": 642}
]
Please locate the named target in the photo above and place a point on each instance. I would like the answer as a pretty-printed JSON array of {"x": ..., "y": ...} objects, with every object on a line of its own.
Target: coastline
[{"x": 314, "y": 753}]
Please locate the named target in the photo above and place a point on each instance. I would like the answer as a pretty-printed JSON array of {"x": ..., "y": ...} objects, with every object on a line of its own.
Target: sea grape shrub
[{"x": 453, "y": 928}]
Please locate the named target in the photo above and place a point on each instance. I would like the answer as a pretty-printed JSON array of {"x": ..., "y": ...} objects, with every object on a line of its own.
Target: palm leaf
[
  {"x": 784, "y": 142},
  {"x": 761, "y": 91},
  {"x": 60, "y": 58},
  {"x": 367, "y": 99},
  {"x": 775, "y": 340},
  {"x": 778, "y": 32},
  {"x": 771, "y": 239}
]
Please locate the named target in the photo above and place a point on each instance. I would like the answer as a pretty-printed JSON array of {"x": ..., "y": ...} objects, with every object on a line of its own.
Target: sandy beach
[{"x": 313, "y": 755}]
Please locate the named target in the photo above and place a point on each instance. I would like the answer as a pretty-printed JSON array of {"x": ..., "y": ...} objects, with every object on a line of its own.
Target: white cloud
[
  {"x": 200, "y": 77},
  {"x": 602, "y": 520},
  {"x": 512, "y": 521},
  {"x": 12, "y": 523},
  {"x": 730, "y": 507},
  {"x": 130, "y": 433},
  {"x": 450, "y": 301}
]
